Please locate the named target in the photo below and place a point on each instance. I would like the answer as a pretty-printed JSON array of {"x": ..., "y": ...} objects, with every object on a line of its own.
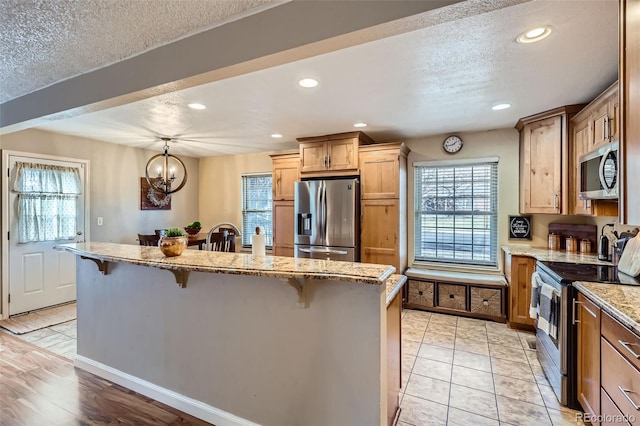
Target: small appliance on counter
[{"x": 603, "y": 244}]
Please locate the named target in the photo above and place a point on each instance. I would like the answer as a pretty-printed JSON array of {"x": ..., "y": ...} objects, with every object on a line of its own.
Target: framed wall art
[{"x": 152, "y": 200}]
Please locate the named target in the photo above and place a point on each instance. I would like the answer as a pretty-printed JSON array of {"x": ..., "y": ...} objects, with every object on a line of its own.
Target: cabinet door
[
  {"x": 379, "y": 232},
  {"x": 588, "y": 355},
  {"x": 313, "y": 156},
  {"x": 342, "y": 154},
  {"x": 379, "y": 175},
  {"x": 580, "y": 146},
  {"x": 283, "y": 228},
  {"x": 600, "y": 118},
  {"x": 542, "y": 166},
  {"x": 285, "y": 174},
  {"x": 614, "y": 118},
  {"x": 521, "y": 268}
]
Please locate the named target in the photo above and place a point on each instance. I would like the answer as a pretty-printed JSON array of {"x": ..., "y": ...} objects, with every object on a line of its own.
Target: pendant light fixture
[{"x": 165, "y": 172}]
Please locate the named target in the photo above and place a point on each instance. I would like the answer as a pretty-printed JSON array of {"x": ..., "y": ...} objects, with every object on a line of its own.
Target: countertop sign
[{"x": 520, "y": 227}]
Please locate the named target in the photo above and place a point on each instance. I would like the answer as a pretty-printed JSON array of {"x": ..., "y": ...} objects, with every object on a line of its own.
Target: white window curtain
[{"x": 47, "y": 196}]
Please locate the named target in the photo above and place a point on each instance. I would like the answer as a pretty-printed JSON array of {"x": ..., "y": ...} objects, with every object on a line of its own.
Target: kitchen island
[{"x": 237, "y": 339}]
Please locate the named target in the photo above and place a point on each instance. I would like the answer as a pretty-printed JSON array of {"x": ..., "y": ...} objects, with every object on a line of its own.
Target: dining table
[{"x": 200, "y": 240}]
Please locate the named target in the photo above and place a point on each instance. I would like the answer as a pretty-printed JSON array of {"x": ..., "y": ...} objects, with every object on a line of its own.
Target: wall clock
[{"x": 452, "y": 144}]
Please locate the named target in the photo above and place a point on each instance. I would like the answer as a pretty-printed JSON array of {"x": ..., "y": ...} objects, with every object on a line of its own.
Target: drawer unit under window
[
  {"x": 486, "y": 301},
  {"x": 421, "y": 293},
  {"x": 452, "y": 296}
]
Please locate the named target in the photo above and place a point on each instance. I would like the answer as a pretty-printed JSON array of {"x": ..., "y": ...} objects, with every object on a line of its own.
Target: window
[
  {"x": 257, "y": 208},
  {"x": 456, "y": 212},
  {"x": 47, "y": 198}
]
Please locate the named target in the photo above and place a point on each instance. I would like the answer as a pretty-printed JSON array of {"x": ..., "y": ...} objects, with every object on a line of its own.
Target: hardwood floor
[{"x": 38, "y": 387}]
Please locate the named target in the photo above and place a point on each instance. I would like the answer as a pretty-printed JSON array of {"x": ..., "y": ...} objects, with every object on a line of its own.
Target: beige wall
[
  {"x": 221, "y": 186},
  {"x": 114, "y": 178}
]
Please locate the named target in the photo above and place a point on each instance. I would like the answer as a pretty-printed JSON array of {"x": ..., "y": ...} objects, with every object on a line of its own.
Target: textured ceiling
[
  {"x": 46, "y": 41},
  {"x": 439, "y": 79}
]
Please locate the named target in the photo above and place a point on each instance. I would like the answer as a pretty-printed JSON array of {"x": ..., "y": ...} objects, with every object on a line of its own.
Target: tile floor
[
  {"x": 456, "y": 371},
  {"x": 461, "y": 371}
]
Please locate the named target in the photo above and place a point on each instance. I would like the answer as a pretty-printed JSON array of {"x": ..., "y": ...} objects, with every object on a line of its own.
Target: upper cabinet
[
  {"x": 544, "y": 154},
  {"x": 331, "y": 154},
  {"x": 285, "y": 173},
  {"x": 580, "y": 143},
  {"x": 603, "y": 115},
  {"x": 629, "y": 69}
]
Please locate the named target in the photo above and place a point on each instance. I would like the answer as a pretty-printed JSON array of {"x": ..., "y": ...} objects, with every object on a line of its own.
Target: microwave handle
[{"x": 601, "y": 169}]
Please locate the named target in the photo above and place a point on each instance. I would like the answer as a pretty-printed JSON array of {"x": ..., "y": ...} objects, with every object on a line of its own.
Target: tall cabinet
[
  {"x": 630, "y": 110},
  {"x": 383, "y": 189},
  {"x": 286, "y": 171}
]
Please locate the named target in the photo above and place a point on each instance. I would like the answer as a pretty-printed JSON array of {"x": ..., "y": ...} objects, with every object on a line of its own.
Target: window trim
[
  {"x": 453, "y": 264},
  {"x": 242, "y": 199}
]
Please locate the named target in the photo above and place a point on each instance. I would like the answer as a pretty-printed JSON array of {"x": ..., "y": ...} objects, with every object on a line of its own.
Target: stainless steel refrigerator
[{"x": 327, "y": 214}]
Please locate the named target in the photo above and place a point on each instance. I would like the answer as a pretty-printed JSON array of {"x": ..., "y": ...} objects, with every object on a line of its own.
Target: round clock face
[{"x": 452, "y": 144}]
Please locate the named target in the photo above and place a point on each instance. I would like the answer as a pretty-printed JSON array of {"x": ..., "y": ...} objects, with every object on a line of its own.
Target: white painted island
[{"x": 236, "y": 339}]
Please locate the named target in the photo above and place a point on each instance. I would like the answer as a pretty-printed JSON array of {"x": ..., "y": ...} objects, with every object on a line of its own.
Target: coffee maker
[{"x": 603, "y": 244}]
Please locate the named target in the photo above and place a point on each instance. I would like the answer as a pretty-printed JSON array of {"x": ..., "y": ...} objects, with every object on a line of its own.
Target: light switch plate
[{"x": 100, "y": 221}]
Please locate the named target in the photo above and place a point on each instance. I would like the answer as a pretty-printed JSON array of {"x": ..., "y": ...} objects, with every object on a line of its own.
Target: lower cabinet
[
  {"x": 518, "y": 271},
  {"x": 473, "y": 300},
  {"x": 588, "y": 322},
  {"x": 283, "y": 228},
  {"x": 394, "y": 357},
  {"x": 380, "y": 228}
]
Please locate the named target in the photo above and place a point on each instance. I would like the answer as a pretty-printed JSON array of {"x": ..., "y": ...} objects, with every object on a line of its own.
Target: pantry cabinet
[
  {"x": 544, "y": 161},
  {"x": 283, "y": 228},
  {"x": 331, "y": 155},
  {"x": 629, "y": 70},
  {"x": 285, "y": 172}
]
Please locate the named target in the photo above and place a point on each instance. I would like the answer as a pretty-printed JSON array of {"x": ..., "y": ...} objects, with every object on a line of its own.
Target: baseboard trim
[{"x": 173, "y": 399}]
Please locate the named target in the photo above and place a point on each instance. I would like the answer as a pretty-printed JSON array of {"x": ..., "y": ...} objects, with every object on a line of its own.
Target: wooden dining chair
[
  {"x": 218, "y": 241},
  {"x": 148, "y": 240}
]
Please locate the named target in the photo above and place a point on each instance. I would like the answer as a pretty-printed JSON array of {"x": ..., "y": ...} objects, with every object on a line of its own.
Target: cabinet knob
[
  {"x": 420, "y": 293},
  {"x": 485, "y": 302}
]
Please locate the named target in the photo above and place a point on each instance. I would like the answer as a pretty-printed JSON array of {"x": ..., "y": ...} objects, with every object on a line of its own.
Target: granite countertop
[
  {"x": 544, "y": 254},
  {"x": 235, "y": 263},
  {"x": 620, "y": 301},
  {"x": 394, "y": 284}
]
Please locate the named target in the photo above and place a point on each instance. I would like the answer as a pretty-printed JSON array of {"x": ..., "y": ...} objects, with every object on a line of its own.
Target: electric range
[{"x": 567, "y": 273}]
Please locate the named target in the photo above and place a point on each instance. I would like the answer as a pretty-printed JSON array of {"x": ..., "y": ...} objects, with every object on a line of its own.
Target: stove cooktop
[{"x": 570, "y": 272}]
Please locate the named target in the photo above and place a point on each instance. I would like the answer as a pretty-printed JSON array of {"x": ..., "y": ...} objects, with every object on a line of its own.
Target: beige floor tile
[
  {"x": 52, "y": 340},
  {"x": 518, "y": 389},
  {"x": 439, "y": 340},
  {"x": 434, "y": 369},
  {"x": 550, "y": 399},
  {"x": 37, "y": 335},
  {"x": 474, "y": 334},
  {"x": 516, "y": 369},
  {"x": 444, "y": 329},
  {"x": 443, "y": 319},
  {"x": 408, "y": 325},
  {"x": 565, "y": 418},
  {"x": 404, "y": 379},
  {"x": 508, "y": 353},
  {"x": 428, "y": 388},
  {"x": 504, "y": 340},
  {"x": 462, "y": 418},
  {"x": 473, "y": 401},
  {"x": 418, "y": 315},
  {"x": 474, "y": 346},
  {"x": 64, "y": 347},
  {"x": 437, "y": 353},
  {"x": 410, "y": 347},
  {"x": 408, "y": 361},
  {"x": 420, "y": 412},
  {"x": 414, "y": 334},
  {"x": 471, "y": 378},
  {"x": 499, "y": 328},
  {"x": 65, "y": 326},
  {"x": 516, "y": 412},
  {"x": 471, "y": 360},
  {"x": 472, "y": 322}
]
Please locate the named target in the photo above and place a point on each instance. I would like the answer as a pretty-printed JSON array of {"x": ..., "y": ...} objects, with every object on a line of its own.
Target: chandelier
[{"x": 165, "y": 172}]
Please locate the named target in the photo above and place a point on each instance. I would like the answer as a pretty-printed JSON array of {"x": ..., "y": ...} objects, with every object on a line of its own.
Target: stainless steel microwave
[{"x": 599, "y": 173}]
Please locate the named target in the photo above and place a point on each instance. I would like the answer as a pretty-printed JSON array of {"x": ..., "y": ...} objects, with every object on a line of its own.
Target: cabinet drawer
[
  {"x": 621, "y": 381},
  {"x": 611, "y": 415},
  {"x": 452, "y": 296},
  {"x": 421, "y": 293},
  {"x": 486, "y": 301},
  {"x": 627, "y": 343}
]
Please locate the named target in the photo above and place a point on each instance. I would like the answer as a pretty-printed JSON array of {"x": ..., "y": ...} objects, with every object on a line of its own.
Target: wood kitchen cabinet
[
  {"x": 629, "y": 70},
  {"x": 283, "y": 228},
  {"x": 588, "y": 330},
  {"x": 286, "y": 171},
  {"x": 544, "y": 161},
  {"x": 383, "y": 172},
  {"x": 331, "y": 154},
  {"x": 518, "y": 271},
  {"x": 581, "y": 134}
]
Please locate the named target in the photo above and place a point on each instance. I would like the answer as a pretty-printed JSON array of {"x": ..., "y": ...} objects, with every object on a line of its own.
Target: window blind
[
  {"x": 257, "y": 207},
  {"x": 456, "y": 213}
]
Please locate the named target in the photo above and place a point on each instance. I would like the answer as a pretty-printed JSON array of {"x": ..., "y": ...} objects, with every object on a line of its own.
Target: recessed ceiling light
[
  {"x": 276, "y": 135},
  {"x": 498, "y": 107},
  {"x": 308, "y": 82},
  {"x": 534, "y": 34},
  {"x": 360, "y": 124},
  {"x": 196, "y": 106}
]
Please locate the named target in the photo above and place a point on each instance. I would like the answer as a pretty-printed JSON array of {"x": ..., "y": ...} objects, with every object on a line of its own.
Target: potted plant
[
  {"x": 173, "y": 242},
  {"x": 193, "y": 228}
]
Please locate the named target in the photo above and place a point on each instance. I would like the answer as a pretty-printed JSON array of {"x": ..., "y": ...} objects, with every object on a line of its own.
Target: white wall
[{"x": 115, "y": 171}]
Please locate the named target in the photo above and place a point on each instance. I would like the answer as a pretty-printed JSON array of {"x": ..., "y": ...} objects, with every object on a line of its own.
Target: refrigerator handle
[{"x": 324, "y": 214}]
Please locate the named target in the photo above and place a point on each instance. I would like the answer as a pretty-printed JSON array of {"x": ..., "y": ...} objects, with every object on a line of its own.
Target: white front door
[{"x": 40, "y": 276}]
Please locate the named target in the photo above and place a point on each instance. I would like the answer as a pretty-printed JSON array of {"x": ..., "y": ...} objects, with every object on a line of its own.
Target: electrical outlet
[{"x": 100, "y": 221}]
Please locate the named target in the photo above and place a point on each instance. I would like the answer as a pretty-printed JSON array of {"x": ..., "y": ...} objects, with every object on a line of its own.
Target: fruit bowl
[{"x": 192, "y": 231}]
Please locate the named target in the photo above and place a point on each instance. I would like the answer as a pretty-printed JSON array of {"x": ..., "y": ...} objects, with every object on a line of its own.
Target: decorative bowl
[
  {"x": 192, "y": 231},
  {"x": 172, "y": 246}
]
